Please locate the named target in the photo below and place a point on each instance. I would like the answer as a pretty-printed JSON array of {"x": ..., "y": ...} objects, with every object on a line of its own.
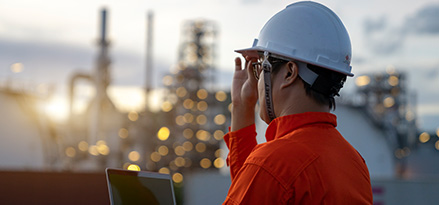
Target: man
[{"x": 294, "y": 69}]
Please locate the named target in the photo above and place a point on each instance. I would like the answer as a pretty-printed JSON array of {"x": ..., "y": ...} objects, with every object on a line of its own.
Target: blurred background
[{"x": 140, "y": 85}]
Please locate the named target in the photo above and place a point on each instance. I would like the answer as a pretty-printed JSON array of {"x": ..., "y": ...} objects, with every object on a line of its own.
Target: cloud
[
  {"x": 385, "y": 39},
  {"x": 43, "y": 62},
  {"x": 250, "y": 1},
  {"x": 375, "y": 25},
  {"x": 16, "y": 51},
  {"x": 381, "y": 37},
  {"x": 425, "y": 21},
  {"x": 56, "y": 62}
]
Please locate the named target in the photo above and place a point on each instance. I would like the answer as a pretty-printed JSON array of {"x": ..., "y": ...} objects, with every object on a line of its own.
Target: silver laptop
[{"x": 139, "y": 187}]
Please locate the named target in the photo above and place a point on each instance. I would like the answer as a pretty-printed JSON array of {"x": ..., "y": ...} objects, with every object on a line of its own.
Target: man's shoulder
[
  {"x": 282, "y": 149},
  {"x": 283, "y": 146},
  {"x": 282, "y": 156}
]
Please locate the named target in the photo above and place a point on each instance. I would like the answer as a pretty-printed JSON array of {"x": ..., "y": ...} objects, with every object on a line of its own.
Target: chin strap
[{"x": 266, "y": 66}]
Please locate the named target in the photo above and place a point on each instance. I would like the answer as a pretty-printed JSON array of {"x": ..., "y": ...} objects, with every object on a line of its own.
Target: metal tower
[{"x": 198, "y": 112}]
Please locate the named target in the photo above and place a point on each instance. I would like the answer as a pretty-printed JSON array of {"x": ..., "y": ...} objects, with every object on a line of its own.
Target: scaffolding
[
  {"x": 386, "y": 101},
  {"x": 196, "y": 112}
]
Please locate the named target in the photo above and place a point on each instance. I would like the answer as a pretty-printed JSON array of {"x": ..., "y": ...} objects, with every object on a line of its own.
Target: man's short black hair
[{"x": 333, "y": 80}]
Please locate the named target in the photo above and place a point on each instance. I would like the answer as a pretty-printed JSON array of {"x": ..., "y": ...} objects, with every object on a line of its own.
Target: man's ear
[{"x": 291, "y": 74}]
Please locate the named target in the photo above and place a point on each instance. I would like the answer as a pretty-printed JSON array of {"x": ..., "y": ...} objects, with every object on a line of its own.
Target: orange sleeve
[
  {"x": 255, "y": 185},
  {"x": 240, "y": 144}
]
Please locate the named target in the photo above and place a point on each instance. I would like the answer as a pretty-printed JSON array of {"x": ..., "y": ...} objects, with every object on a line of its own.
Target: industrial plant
[{"x": 184, "y": 137}]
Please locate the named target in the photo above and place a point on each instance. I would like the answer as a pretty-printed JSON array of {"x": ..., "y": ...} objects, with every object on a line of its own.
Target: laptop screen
[{"x": 139, "y": 187}]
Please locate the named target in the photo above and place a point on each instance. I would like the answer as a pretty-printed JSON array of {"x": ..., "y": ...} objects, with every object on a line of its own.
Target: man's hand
[{"x": 244, "y": 94}]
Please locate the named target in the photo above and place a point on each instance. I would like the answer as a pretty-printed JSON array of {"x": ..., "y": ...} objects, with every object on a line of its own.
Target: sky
[{"x": 52, "y": 40}]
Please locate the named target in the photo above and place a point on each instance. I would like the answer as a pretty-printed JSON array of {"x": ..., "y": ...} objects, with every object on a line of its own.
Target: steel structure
[
  {"x": 90, "y": 132},
  {"x": 385, "y": 99},
  {"x": 197, "y": 113}
]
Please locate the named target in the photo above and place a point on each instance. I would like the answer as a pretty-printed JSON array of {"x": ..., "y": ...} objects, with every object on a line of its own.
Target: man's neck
[
  {"x": 296, "y": 101},
  {"x": 301, "y": 107}
]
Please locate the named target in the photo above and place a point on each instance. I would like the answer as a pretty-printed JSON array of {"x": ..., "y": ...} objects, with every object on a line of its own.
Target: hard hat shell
[{"x": 308, "y": 32}]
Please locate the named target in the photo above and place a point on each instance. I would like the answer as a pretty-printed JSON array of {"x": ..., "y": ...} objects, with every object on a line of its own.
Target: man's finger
[
  {"x": 238, "y": 63},
  {"x": 249, "y": 66}
]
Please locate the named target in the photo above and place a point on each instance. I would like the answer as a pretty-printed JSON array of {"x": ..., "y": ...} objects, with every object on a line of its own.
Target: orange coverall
[{"x": 304, "y": 161}]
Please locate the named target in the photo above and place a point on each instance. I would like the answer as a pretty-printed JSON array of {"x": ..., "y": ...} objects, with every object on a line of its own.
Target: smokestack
[
  {"x": 149, "y": 73},
  {"x": 103, "y": 25}
]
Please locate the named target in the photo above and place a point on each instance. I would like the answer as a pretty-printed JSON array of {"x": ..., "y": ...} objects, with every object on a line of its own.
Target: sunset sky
[{"x": 53, "y": 39}]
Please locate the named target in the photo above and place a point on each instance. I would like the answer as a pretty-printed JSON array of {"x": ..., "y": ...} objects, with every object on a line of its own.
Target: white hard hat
[{"x": 307, "y": 32}]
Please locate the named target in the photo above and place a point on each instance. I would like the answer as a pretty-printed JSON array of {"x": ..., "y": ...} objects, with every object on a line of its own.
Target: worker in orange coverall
[{"x": 294, "y": 70}]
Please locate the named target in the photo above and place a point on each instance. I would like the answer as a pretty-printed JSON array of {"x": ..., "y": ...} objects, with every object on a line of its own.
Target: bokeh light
[
  {"x": 164, "y": 170},
  {"x": 202, "y": 94},
  {"x": 134, "y": 156},
  {"x": 177, "y": 177},
  {"x": 163, "y": 133},
  {"x": 188, "y": 133},
  {"x": 221, "y": 96},
  {"x": 205, "y": 163},
  {"x": 219, "y": 119},
  {"x": 424, "y": 137},
  {"x": 123, "y": 133},
  {"x": 163, "y": 150},
  {"x": 218, "y": 163},
  {"x": 362, "y": 81},
  {"x": 133, "y": 167},
  {"x": 155, "y": 156},
  {"x": 200, "y": 147},
  {"x": 83, "y": 146},
  {"x": 133, "y": 116},
  {"x": 167, "y": 106},
  {"x": 202, "y": 106},
  {"x": 218, "y": 134},
  {"x": 70, "y": 152}
]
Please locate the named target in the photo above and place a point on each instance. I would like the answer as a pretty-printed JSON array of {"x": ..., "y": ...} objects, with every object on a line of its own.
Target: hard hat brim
[
  {"x": 254, "y": 52},
  {"x": 257, "y": 51},
  {"x": 250, "y": 52}
]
